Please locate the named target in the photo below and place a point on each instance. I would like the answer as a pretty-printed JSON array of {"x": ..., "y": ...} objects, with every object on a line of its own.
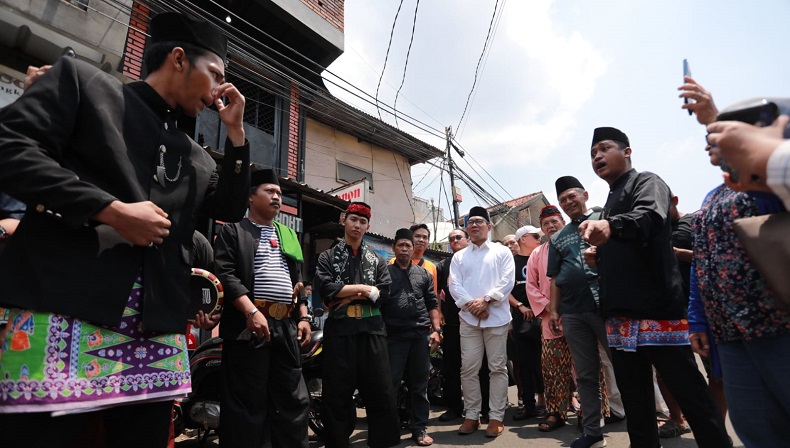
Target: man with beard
[
  {"x": 412, "y": 320},
  {"x": 102, "y": 254},
  {"x": 641, "y": 295},
  {"x": 257, "y": 260},
  {"x": 351, "y": 279}
]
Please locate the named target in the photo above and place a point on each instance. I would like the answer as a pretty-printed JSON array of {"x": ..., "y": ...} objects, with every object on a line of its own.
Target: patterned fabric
[
  {"x": 557, "y": 374},
  {"x": 627, "y": 334},
  {"x": 60, "y": 364},
  {"x": 340, "y": 262},
  {"x": 738, "y": 303}
]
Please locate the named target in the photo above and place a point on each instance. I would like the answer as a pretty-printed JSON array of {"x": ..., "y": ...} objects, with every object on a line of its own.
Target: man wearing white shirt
[{"x": 481, "y": 277}]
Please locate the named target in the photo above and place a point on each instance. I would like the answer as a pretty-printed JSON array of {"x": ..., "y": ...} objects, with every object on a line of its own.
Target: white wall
[{"x": 391, "y": 196}]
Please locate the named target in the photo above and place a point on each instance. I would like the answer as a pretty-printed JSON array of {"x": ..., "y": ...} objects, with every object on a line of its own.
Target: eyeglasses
[
  {"x": 476, "y": 222},
  {"x": 456, "y": 238}
]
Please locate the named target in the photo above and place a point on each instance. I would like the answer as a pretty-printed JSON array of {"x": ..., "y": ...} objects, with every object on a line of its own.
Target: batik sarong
[{"x": 60, "y": 364}]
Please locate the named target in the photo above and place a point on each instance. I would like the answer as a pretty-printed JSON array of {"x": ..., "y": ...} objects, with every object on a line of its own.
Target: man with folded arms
[{"x": 351, "y": 279}]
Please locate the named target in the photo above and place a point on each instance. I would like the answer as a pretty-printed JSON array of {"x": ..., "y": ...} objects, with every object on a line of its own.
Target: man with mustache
[{"x": 257, "y": 260}]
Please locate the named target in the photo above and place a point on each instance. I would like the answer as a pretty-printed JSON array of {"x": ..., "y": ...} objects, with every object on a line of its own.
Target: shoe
[
  {"x": 495, "y": 428},
  {"x": 422, "y": 438},
  {"x": 588, "y": 441},
  {"x": 449, "y": 415},
  {"x": 671, "y": 429},
  {"x": 469, "y": 426},
  {"x": 524, "y": 414}
]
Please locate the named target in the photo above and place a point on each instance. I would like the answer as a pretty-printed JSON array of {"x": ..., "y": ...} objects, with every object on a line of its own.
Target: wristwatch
[
  {"x": 439, "y": 330},
  {"x": 3, "y": 233},
  {"x": 519, "y": 305},
  {"x": 487, "y": 298}
]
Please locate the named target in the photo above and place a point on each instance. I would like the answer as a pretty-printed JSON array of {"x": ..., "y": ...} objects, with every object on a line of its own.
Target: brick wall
[
  {"x": 331, "y": 10},
  {"x": 293, "y": 133},
  {"x": 135, "y": 40}
]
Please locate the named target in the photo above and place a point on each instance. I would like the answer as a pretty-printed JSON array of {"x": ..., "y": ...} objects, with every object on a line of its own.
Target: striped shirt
[{"x": 272, "y": 279}]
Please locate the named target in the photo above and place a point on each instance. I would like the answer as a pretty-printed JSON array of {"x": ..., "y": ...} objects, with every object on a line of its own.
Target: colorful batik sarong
[
  {"x": 60, "y": 364},
  {"x": 627, "y": 334}
]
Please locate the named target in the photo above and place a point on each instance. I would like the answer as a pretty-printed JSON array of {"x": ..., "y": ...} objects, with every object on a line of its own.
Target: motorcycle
[
  {"x": 312, "y": 361},
  {"x": 200, "y": 409}
]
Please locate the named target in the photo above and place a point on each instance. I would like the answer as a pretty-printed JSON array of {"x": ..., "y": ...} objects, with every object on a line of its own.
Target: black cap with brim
[
  {"x": 261, "y": 177},
  {"x": 176, "y": 27},
  {"x": 606, "y": 133}
]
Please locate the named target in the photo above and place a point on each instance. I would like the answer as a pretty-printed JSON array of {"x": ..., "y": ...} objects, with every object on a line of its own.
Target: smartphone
[{"x": 686, "y": 72}]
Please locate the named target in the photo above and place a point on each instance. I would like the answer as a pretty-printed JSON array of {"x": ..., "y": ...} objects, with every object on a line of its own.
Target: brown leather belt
[{"x": 275, "y": 310}]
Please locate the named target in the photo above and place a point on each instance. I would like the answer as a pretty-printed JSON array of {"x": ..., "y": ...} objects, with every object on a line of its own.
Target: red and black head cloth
[
  {"x": 358, "y": 208},
  {"x": 549, "y": 210}
]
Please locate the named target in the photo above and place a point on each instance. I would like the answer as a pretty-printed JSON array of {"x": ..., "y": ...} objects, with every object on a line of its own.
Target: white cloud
[{"x": 561, "y": 71}]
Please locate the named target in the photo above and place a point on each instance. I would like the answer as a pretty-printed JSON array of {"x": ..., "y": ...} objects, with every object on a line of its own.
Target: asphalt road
[{"x": 517, "y": 434}]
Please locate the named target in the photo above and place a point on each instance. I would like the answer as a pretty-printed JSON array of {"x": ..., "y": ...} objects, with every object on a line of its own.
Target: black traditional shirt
[
  {"x": 411, "y": 298},
  {"x": 364, "y": 267},
  {"x": 637, "y": 270}
]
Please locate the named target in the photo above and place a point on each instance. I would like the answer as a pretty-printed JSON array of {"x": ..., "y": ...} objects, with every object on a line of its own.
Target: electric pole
[{"x": 449, "y": 134}]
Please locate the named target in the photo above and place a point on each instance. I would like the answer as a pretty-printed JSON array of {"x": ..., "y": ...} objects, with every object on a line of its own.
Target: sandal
[
  {"x": 422, "y": 438},
  {"x": 549, "y": 425},
  {"x": 671, "y": 429}
]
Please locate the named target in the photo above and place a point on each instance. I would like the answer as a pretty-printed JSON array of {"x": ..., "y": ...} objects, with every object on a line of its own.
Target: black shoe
[
  {"x": 449, "y": 415},
  {"x": 524, "y": 414}
]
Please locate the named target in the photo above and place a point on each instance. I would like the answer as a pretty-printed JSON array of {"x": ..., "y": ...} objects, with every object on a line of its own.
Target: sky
[{"x": 556, "y": 70}]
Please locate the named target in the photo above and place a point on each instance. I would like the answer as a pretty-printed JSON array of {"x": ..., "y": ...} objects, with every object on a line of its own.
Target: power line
[
  {"x": 406, "y": 64},
  {"x": 477, "y": 69},
  {"x": 386, "y": 57},
  {"x": 482, "y": 70}
]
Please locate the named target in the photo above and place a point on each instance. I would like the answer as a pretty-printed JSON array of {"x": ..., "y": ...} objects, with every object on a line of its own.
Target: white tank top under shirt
[{"x": 272, "y": 279}]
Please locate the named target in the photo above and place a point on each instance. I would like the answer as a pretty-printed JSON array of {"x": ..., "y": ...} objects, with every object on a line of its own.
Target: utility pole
[{"x": 449, "y": 134}]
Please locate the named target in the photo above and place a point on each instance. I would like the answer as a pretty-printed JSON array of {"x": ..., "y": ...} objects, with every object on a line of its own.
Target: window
[{"x": 348, "y": 174}]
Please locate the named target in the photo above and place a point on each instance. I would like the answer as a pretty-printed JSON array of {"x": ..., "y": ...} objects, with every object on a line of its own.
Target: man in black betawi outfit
[
  {"x": 641, "y": 297},
  {"x": 258, "y": 262},
  {"x": 352, "y": 279},
  {"x": 113, "y": 189},
  {"x": 412, "y": 320}
]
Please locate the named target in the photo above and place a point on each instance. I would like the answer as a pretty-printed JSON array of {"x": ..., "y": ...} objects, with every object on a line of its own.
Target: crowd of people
[{"x": 611, "y": 305}]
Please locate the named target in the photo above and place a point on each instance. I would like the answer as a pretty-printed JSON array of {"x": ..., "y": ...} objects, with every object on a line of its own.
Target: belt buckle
[
  {"x": 278, "y": 310},
  {"x": 354, "y": 311}
]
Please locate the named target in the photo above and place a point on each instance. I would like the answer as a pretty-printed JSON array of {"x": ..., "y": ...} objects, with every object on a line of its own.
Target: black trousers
[
  {"x": 359, "y": 361},
  {"x": 528, "y": 351},
  {"x": 264, "y": 386},
  {"x": 451, "y": 372},
  {"x": 678, "y": 369},
  {"x": 411, "y": 358},
  {"x": 133, "y": 426}
]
